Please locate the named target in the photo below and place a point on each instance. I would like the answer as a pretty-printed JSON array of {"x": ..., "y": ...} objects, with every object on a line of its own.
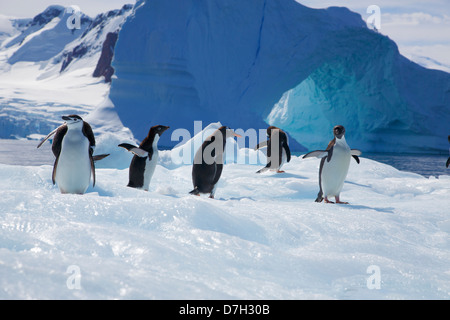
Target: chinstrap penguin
[
  {"x": 145, "y": 158},
  {"x": 278, "y": 152},
  {"x": 73, "y": 147},
  {"x": 334, "y": 164},
  {"x": 208, "y": 162}
]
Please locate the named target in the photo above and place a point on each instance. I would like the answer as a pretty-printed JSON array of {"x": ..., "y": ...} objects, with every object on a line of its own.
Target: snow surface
[{"x": 263, "y": 237}]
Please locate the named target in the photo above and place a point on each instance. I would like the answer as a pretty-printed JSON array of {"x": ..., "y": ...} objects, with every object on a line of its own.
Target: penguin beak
[
  {"x": 231, "y": 133},
  {"x": 164, "y": 129}
]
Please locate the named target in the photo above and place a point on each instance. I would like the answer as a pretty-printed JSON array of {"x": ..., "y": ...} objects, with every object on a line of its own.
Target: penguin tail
[
  {"x": 319, "y": 197},
  {"x": 195, "y": 192},
  {"x": 267, "y": 167}
]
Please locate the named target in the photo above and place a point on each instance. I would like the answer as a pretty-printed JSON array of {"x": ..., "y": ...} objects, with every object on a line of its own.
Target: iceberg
[{"x": 250, "y": 64}]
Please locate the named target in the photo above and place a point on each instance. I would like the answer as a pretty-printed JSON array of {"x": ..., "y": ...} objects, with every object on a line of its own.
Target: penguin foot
[
  {"x": 328, "y": 201},
  {"x": 280, "y": 171},
  {"x": 339, "y": 201}
]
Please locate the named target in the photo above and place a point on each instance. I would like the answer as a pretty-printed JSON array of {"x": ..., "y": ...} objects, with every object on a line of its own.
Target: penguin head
[
  {"x": 158, "y": 129},
  {"x": 339, "y": 131},
  {"x": 72, "y": 119},
  {"x": 227, "y": 132},
  {"x": 269, "y": 130}
]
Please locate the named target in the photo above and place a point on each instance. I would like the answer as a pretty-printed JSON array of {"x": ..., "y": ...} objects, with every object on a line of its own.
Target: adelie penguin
[
  {"x": 208, "y": 162},
  {"x": 278, "y": 152},
  {"x": 73, "y": 147},
  {"x": 145, "y": 158},
  {"x": 334, "y": 164}
]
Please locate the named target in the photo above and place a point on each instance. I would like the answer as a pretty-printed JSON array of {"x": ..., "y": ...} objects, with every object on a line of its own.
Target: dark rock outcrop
[{"x": 104, "y": 67}]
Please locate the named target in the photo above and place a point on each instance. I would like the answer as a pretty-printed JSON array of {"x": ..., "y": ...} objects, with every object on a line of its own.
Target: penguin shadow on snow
[
  {"x": 100, "y": 191},
  {"x": 283, "y": 175},
  {"x": 362, "y": 207}
]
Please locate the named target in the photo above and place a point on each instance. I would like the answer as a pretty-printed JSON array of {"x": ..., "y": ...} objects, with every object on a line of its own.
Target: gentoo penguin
[
  {"x": 208, "y": 162},
  {"x": 278, "y": 152},
  {"x": 334, "y": 164},
  {"x": 73, "y": 147},
  {"x": 448, "y": 160},
  {"x": 145, "y": 158}
]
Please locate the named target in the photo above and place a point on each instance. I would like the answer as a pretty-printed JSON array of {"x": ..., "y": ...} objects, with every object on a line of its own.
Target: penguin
[
  {"x": 334, "y": 164},
  {"x": 278, "y": 152},
  {"x": 448, "y": 160},
  {"x": 208, "y": 162},
  {"x": 145, "y": 158},
  {"x": 73, "y": 147}
]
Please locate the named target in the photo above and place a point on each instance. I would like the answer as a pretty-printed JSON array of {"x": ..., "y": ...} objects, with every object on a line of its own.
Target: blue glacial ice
[{"x": 250, "y": 64}]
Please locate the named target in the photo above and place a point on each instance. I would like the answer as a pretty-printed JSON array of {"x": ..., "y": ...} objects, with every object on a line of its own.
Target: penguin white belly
[
  {"x": 73, "y": 172},
  {"x": 150, "y": 166},
  {"x": 335, "y": 171}
]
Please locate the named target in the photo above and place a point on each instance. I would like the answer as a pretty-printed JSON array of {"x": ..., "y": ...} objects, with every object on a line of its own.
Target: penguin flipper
[
  {"x": 47, "y": 137},
  {"x": 135, "y": 150},
  {"x": 316, "y": 154},
  {"x": 261, "y": 145},
  {"x": 55, "y": 165},
  {"x": 100, "y": 156},
  {"x": 448, "y": 162},
  {"x": 355, "y": 153},
  {"x": 91, "y": 158}
]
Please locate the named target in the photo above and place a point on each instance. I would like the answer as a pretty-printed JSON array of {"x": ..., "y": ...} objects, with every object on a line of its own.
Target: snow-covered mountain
[
  {"x": 253, "y": 63},
  {"x": 48, "y": 69}
]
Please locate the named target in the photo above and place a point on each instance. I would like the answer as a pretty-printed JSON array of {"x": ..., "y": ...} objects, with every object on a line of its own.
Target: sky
[{"x": 420, "y": 28}]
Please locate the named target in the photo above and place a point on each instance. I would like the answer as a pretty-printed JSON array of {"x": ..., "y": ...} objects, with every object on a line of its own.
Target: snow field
[{"x": 264, "y": 237}]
